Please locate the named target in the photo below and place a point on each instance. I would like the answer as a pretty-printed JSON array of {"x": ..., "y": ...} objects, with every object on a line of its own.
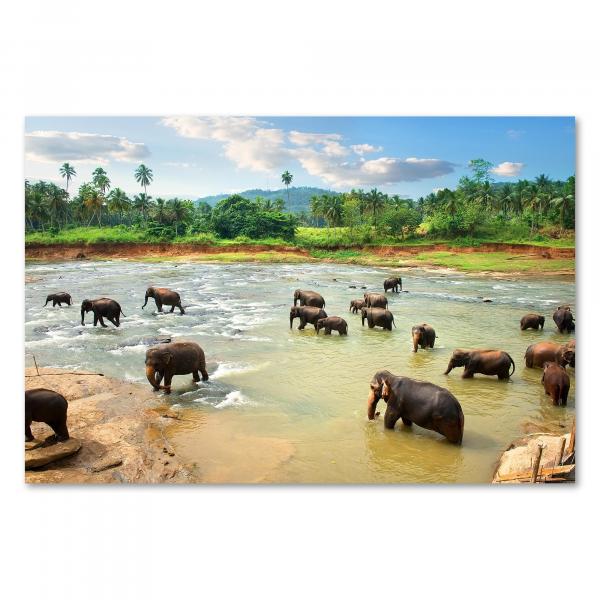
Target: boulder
[
  {"x": 44, "y": 455},
  {"x": 487, "y": 300},
  {"x": 106, "y": 462}
]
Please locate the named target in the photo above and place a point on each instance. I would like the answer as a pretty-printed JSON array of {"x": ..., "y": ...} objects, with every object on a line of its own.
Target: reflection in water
[{"x": 287, "y": 405}]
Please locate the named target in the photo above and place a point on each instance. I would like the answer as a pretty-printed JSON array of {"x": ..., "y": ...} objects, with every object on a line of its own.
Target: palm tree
[
  {"x": 333, "y": 209},
  {"x": 375, "y": 203},
  {"x": 118, "y": 202},
  {"x": 144, "y": 176},
  {"x": 286, "y": 178},
  {"x": 160, "y": 211},
  {"x": 180, "y": 212},
  {"x": 317, "y": 207},
  {"x": 56, "y": 202},
  {"x": 142, "y": 203},
  {"x": 565, "y": 199},
  {"x": 544, "y": 186},
  {"x": 100, "y": 180},
  {"x": 67, "y": 172},
  {"x": 93, "y": 199}
]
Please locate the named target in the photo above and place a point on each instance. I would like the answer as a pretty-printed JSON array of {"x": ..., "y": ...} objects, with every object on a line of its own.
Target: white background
[{"x": 393, "y": 58}]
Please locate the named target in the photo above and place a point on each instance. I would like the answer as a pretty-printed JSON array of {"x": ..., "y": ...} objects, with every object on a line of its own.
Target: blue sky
[{"x": 198, "y": 156}]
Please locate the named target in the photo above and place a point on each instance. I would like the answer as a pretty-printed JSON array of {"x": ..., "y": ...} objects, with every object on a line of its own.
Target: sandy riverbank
[
  {"x": 129, "y": 434},
  {"x": 487, "y": 259}
]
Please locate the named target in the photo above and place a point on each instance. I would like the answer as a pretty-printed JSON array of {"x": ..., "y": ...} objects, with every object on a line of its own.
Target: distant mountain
[{"x": 299, "y": 196}]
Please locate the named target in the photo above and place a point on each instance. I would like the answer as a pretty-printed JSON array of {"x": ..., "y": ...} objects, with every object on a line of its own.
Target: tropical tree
[
  {"x": 374, "y": 203},
  {"x": 144, "y": 176},
  {"x": 93, "y": 200},
  {"x": 286, "y": 178},
  {"x": 100, "y": 180},
  {"x": 180, "y": 211},
  {"x": 67, "y": 172},
  {"x": 118, "y": 202},
  {"x": 333, "y": 209},
  {"x": 565, "y": 200},
  {"x": 142, "y": 202},
  {"x": 56, "y": 201}
]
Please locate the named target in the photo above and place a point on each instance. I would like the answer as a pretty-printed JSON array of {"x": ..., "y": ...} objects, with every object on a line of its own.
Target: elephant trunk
[
  {"x": 145, "y": 300},
  {"x": 372, "y": 405},
  {"x": 82, "y": 316},
  {"x": 151, "y": 376},
  {"x": 47, "y": 300},
  {"x": 450, "y": 367},
  {"x": 291, "y": 321},
  {"x": 415, "y": 343}
]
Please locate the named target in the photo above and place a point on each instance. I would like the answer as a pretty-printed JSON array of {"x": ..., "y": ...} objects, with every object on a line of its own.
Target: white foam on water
[
  {"x": 229, "y": 369},
  {"x": 235, "y": 398}
]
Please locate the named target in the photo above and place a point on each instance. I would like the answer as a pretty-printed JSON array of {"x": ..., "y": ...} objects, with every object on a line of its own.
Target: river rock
[
  {"x": 43, "y": 455},
  {"x": 106, "y": 462},
  {"x": 487, "y": 300},
  {"x": 352, "y": 286}
]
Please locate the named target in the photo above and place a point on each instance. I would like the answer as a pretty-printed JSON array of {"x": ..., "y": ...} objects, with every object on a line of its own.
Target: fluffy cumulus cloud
[
  {"x": 246, "y": 141},
  {"x": 508, "y": 169},
  {"x": 56, "y": 146},
  {"x": 256, "y": 145},
  {"x": 361, "y": 149}
]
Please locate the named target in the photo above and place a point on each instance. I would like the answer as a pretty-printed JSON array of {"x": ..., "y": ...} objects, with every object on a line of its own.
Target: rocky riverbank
[{"x": 120, "y": 427}]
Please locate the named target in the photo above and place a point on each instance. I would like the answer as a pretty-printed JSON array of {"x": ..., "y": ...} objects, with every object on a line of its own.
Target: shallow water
[{"x": 268, "y": 382}]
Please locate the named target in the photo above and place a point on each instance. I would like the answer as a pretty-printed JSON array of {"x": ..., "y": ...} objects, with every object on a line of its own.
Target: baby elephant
[
  {"x": 487, "y": 362},
  {"x": 47, "y": 407},
  {"x": 164, "y": 296},
  {"x": 175, "y": 358},
  {"x": 59, "y": 298},
  {"x": 306, "y": 314},
  {"x": 532, "y": 321},
  {"x": 392, "y": 283},
  {"x": 556, "y": 383},
  {"x": 102, "y": 307},
  {"x": 423, "y": 335},
  {"x": 329, "y": 323},
  {"x": 356, "y": 305}
]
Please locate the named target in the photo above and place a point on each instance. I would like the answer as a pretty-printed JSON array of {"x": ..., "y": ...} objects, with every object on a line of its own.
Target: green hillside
[{"x": 299, "y": 196}]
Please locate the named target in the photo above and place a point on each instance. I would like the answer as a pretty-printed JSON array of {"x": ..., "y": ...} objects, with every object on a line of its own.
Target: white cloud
[
  {"x": 380, "y": 171},
  {"x": 514, "y": 134},
  {"x": 361, "y": 149},
  {"x": 246, "y": 142},
  {"x": 74, "y": 146},
  {"x": 508, "y": 169},
  {"x": 255, "y": 145},
  {"x": 181, "y": 165}
]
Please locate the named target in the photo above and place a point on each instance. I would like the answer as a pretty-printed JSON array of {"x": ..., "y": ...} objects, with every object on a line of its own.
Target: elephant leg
[
  {"x": 302, "y": 323},
  {"x": 113, "y": 321},
  {"x": 61, "y": 431},
  {"x": 158, "y": 306},
  {"x": 204, "y": 374},
  {"x": 167, "y": 386},
  {"x": 172, "y": 308},
  {"x": 28, "y": 434},
  {"x": 451, "y": 431},
  {"x": 327, "y": 330},
  {"x": 181, "y": 311},
  {"x": 468, "y": 374},
  {"x": 390, "y": 418},
  {"x": 158, "y": 377},
  {"x": 102, "y": 321},
  {"x": 95, "y": 319},
  {"x": 196, "y": 375},
  {"x": 504, "y": 375},
  {"x": 407, "y": 422}
]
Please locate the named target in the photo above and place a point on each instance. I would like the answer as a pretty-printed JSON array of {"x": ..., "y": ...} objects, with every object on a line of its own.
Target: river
[{"x": 288, "y": 404}]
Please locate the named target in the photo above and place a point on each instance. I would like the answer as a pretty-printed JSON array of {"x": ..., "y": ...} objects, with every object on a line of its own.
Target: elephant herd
[
  {"x": 426, "y": 404},
  {"x": 422, "y": 403}
]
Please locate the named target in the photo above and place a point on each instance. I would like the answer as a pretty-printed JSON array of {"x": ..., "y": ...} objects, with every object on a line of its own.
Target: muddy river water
[{"x": 287, "y": 406}]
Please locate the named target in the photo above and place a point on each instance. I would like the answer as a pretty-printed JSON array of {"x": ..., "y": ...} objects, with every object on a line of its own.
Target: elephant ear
[
  {"x": 169, "y": 356},
  {"x": 385, "y": 389}
]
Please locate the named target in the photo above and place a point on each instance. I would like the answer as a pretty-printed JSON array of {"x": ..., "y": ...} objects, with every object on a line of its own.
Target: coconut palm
[
  {"x": 160, "y": 211},
  {"x": 67, "y": 172},
  {"x": 142, "y": 202},
  {"x": 56, "y": 201},
  {"x": 565, "y": 200},
  {"x": 93, "y": 199},
  {"x": 286, "y": 178},
  {"x": 118, "y": 202},
  {"x": 375, "y": 203},
  {"x": 179, "y": 211},
  {"x": 100, "y": 180},
  {"x": 144, "y": 176},
  {"x": 333, "y": 209}
]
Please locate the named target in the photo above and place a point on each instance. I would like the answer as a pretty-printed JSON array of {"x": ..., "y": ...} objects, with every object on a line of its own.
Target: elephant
[
  {"x": 425, "y": 404},
  {"x": 487, "y": 362},
  {"x": 377, "y": 317},
  {"x": 309, "y": 298},
  {"x": 174, "y": 358},
  {"x": 375, "y": 300},
  {"x": 563, "y": 317},
  {"x": 48, "y": 407},
  {"x": 392, "y": 283},
  {"x": 332, "y": 323},
  {"x": 356, "y": 305},
  {"x": 102, "y": 307},
  {"x": 59, "y": 298},
  {"x": 306, "y": 314},
  {"x": 532, "y": 321},
  {"x": 164, "y": 296},
  {"x": 423, "y": 335},
  {"x": 556, "y": 382},
  {"x": 537, "y": 354}
]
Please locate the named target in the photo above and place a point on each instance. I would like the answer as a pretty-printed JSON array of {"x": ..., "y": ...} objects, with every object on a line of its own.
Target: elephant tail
[
  {"x": 393, "y": 321},
  {"x": 122, "y": 311},
  {"x": 513, "y": 365}
]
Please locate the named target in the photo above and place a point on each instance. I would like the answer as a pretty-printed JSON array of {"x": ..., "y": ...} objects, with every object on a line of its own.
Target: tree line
[{"x": 476, "y": 205}]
